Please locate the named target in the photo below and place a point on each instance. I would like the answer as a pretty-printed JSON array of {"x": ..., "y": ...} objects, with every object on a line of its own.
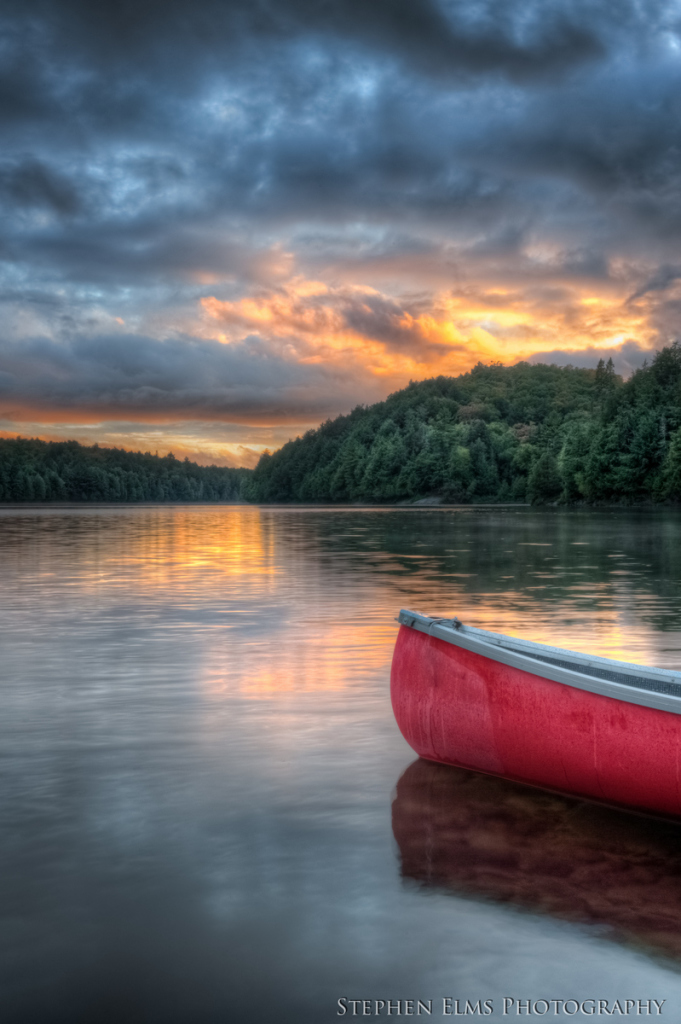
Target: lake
[{"x": 208, "y": 814}]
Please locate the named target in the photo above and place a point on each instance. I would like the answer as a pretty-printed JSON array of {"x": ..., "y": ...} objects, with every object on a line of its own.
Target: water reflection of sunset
[
  {"x": 283, "y": 600},
  {"x": 205, "y": 691},
  {"x": 178, "y": 550}
]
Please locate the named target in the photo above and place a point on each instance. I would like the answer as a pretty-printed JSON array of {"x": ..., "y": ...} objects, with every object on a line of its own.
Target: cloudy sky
[{"x": 224, "y": 221}]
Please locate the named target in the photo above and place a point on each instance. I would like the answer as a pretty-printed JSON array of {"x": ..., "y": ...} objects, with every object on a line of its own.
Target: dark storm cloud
[
  {"x": 138, "y": 256},
  {"x": 186, "y": 112},
  {"x": 613, "y": 135},
  {"x": 663, "y": 277},
  {"x": 124, "y": 375},
  {"x": 111, "y": 66},
  {"x": 30, "y": 183},
  {"x": 440, "y": 38},
  {"x": 374, "y": 316}
]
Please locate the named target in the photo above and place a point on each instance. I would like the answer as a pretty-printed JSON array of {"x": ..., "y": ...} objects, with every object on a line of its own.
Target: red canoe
[{"x": 541, "y": 715}]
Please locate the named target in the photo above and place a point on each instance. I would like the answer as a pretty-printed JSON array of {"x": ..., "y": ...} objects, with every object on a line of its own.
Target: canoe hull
[{"x": 462, "y": 708}]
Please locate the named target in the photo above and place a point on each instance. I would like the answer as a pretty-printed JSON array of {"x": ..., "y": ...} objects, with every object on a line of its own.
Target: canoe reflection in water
[{"x": 484, "y": 836}]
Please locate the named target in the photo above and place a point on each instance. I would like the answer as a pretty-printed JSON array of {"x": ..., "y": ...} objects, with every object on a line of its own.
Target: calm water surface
[{"x": 207, "y": 813}]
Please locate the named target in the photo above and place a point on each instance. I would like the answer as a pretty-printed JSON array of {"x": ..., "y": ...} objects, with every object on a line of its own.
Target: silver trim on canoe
[{"x": 650, "y": 687}]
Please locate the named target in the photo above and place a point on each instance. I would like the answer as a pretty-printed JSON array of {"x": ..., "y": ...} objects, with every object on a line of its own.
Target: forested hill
[
  {"x": 499, "y": 433},
  {"x": 33, "y": 470}
]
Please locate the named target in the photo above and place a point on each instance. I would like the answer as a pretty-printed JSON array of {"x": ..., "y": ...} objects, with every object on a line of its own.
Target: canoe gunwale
[{"x": 519, "y": 654}]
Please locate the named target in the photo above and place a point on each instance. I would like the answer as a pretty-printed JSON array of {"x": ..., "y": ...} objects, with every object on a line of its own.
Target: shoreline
[{"x": 418, "y": 505}]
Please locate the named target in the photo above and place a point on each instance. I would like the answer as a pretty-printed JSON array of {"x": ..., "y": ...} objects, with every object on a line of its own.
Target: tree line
[
  {"x": 534, "y": 433},
  {"x": 32, "y": 470}
]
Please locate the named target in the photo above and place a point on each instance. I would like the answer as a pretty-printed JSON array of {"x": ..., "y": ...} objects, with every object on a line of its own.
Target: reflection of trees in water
[
  {"x": 486, "y": 837},
  {"x": 602, "y": 580},
  {"x": 521, "y": 555}
]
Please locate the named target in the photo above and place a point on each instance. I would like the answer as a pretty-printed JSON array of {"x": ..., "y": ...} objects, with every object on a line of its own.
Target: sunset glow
[
  {"x": 298, "y": 224},
  {"x": 309, "y": 322}
]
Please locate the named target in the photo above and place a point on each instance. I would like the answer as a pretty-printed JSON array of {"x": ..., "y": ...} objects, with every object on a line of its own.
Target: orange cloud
[
  {"x": 448, "y": 332},
  {"x": 294, "y": 354}
]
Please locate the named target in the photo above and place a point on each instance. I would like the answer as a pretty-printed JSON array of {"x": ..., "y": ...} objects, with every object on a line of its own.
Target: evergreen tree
[{"x": 545, "y": 483}]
